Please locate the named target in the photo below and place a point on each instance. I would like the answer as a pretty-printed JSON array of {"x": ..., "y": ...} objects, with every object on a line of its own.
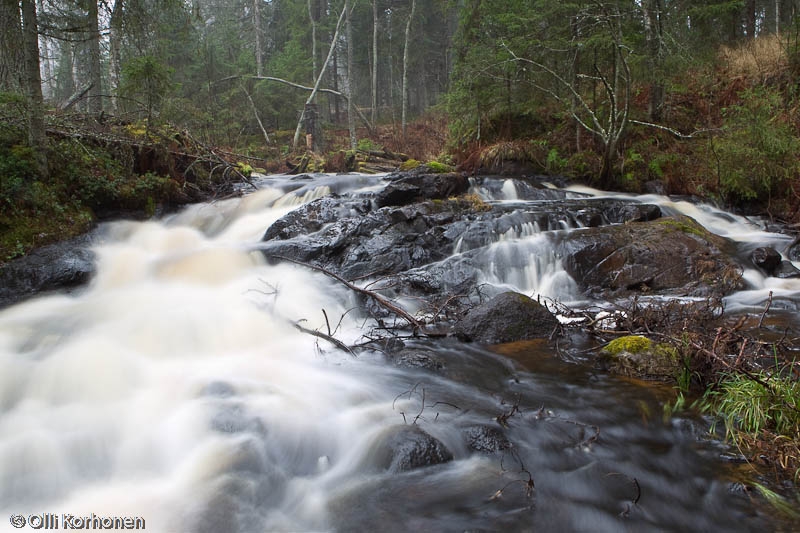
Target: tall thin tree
[
  {"x": 351, "y": 112},
  {"x": 404, "y": 119},
  {"x": 32, "y": 82}
]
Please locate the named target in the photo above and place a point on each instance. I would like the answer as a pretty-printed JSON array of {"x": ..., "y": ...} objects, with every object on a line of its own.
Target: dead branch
[
  {"x": 380, "y": 300},
  {"x": 336, "y": 342}
]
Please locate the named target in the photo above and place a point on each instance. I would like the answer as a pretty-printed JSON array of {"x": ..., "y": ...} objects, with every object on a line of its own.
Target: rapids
[{"x": 175, "y": 388}]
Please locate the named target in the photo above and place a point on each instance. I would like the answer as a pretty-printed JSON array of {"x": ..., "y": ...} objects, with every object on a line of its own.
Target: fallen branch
[
  {"x": 380, "y": 300},
  {"x": 336, "y": 342}
]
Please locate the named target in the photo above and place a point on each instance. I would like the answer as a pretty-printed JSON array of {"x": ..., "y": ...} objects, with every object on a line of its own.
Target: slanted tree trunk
[
  {"x": 314, "y": 91},
  {"x": 32, "y": 84},
  {"x": 404, "y": 118},
  {"x": 351, "y": 112}
]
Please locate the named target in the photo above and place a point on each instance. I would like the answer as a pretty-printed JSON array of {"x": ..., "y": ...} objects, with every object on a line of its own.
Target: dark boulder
[
  {"x": 671, "y": 255},
  {"x": 59, "y": 266},
  {"x": 407, "y": 447},
  {"x": 412, "y": 188},
  {"x": 793, "y": 250},
  {"x": 786, "y": 270},
  {"x": 486, "y": 439},
  {"x": 767, "y": 259},
  {"x": 507, "y": 317}
]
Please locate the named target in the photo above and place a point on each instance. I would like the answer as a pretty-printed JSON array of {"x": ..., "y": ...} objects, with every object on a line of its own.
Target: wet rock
[
  {"x": 639, "y": 357},
  {"x": 413, "y": 188},
  {"x": 405, "y": 448},
  {"x": 767, "y": 259},
  {"x": 417, "y": 359},
  {"x": 670, "y": 255},
  {"x": 786, "y": 270},
  {"x": 355, "y": 244},
  {"x": 485, "y": 439},
  {"x": 793, "y": 250},
  {"x": 624, "y": 213},
  {"x": 64, "y": 265},
  {"x": 507, "y": 317}
]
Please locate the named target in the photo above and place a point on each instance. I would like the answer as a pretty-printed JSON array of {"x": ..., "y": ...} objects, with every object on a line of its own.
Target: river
[{"x": 176, "y": 388}]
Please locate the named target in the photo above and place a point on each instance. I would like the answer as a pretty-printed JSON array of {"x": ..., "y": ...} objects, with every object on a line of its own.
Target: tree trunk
[
  {"x": 404, "y": 118},
  {"x": 95, "y": 76},
  {"x": 37, "y": 136},
  {"x": 750, "y": 18},
  {"x": 115, "y": 46},
  {"x": 11, "y": 53},
  {"x": 351, "y": 113},
  {"x": 44, "y": 47},
  {"x": 257, "y": 31},
  {"x": 319, "y": 79},
  {"x": 654, "y": 36},
  {"x": 311, "y": 16},
  {"x": 374, "y": 61}
]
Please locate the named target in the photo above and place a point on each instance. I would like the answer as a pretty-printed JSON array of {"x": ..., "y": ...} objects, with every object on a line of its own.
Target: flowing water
[{"x": 175, "y": 388}]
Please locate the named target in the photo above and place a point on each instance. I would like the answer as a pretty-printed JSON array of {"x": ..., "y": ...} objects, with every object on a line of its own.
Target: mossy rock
[
  {"x": 438, "y": 168},
  {"x": 639, "y": 357},
  {"x": 410, "y": 164}
]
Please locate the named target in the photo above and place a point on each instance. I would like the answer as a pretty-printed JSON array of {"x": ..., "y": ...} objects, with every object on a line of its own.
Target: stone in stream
[
  {"x": 639, "y": 357},
  {"x": 416, "y": 187},
  {"x": 786, "y": 270},
  {"x": 485, "y": 439},
  {"x": 407, "y": 447},
  {"x": 63, "y": 265},
  {"x": 767, "y": 259},
  {"x": 507, "y": 317},
  {"x": 673, "y": 255}
]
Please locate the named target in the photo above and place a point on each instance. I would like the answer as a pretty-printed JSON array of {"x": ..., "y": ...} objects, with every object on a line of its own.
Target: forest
[{"x": 140, "y": 105}]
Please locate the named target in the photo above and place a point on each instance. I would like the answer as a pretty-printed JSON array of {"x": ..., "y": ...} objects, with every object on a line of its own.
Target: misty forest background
[{"x": 142, "y": 105}]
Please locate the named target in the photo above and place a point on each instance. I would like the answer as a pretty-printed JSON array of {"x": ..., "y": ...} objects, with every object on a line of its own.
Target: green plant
[
  {"x": 753, "y": 405},
  {"x": 368, "y": 145},
  {"x": 757, "y": 152}
]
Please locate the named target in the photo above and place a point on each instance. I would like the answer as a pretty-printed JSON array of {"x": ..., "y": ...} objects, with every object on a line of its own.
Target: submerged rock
[
  {"x": 405, "y": 448},
  {"x": 485, "y": 439},
  {"x": 767, "y": 259},
  {"x": 639, "y": 357},
  {"x": 507, "y": 317},
  {"x": 786, "y": 270}
]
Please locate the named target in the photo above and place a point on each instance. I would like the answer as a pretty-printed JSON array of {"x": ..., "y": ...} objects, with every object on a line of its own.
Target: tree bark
[
  {"x": 750, "y": 18},
  {"x": 95, "y": 76},
  {"x": 37, "y": 135},
  {"x": 652, "y": 13},
  {"x": 311, "y": 16},
  {"x": 11, "y": 53},
  {"x": 351, "y": 118},
  {"x": 259, "y": 44},
  {"x": 404, "y": 118},
  {"x": 115, "y": 47},
  {"x": 374, "y": 61},
  {"x": 319, "y": 78}
]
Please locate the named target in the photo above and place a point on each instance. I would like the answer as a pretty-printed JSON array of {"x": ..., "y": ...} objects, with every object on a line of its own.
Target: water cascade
[{"x": 177, "y": 388}]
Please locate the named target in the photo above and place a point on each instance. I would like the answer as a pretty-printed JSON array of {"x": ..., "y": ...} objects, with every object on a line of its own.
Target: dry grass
[{"x": 761, "y": 59}]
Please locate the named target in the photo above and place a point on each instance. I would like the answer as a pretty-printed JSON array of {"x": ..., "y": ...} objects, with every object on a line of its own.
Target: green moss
[
  {"x": 410, "y": 164},
  {"x": 438, "y": 168},
  {"x": 684, "y": 225},
  {"x": 629, "y": 343}
]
